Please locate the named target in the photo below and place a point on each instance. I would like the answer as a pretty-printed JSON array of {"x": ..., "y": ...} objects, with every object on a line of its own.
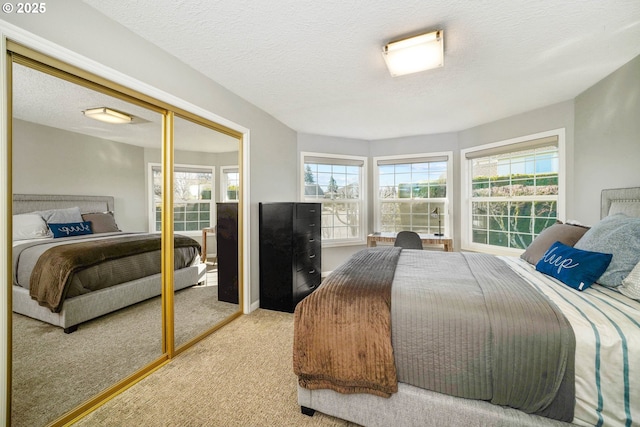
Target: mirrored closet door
[
  {"x": 114, "y": 176},
  {"x": 60, "y": 150},
  {"x": 200, "y": 153}
]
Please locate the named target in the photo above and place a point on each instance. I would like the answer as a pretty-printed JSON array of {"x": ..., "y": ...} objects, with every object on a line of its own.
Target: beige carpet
[
  {"x": 239, "y": 376},
  {"x": 54, "y": 372}
]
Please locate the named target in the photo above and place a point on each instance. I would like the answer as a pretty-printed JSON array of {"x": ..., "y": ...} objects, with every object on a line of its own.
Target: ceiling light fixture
[
  {"x": 107, "y": 115},
  {"x": 414, "y": 54}
]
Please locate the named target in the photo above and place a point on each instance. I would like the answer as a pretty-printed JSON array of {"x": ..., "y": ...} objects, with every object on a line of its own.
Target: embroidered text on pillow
[
  {"x": 73, "y": 229},
  {"x": 574, "y": 267},
  {"x": 558, "y": 261}
]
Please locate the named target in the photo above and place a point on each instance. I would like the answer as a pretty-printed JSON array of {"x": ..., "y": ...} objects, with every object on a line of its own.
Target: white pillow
[
  {"x": 61, "y": 216},
  {"x": 631, "y": 284},
  {"x": 29, "y": 226}
]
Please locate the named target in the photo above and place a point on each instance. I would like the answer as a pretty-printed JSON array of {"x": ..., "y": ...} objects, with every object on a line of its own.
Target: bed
[
  {"x": 47, "y": 231},
  {"x": 566, "y": 353}
]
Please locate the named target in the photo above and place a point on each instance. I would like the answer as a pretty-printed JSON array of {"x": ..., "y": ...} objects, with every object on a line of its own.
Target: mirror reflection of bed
[{"x": 59, "y": 151}]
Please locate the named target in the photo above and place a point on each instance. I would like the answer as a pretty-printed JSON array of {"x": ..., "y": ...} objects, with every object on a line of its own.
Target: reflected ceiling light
[
  {"x": 414, "y": 54},
  {"x": 108, "y": 115}
]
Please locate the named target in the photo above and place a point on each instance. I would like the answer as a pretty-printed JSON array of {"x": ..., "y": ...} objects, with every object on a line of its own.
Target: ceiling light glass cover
[
  {"x": 107, "y": 115},
  {"x": 414, "y": 54}
]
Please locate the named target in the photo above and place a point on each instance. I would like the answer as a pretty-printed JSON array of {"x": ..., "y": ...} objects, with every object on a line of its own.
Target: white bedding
[{"x": 607, "y": 330}]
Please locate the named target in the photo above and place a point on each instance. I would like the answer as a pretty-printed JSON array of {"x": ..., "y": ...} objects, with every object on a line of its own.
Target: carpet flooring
[
  {"x": 53, "y": 372},
  {"x": 239, "y": 376}
]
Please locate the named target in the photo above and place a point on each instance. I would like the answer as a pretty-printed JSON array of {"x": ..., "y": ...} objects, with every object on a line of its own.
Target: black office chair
[{"x": 408, "y": 240}]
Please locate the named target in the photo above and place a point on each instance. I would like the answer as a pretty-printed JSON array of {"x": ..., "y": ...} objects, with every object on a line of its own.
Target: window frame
[
  {"x": 176, "y": 168},
  {"x": 466, "y": 188},
  {"x": 224, "y": 183},
  {"x": 447, "y": 225},
  {"x": 361, "y": 201}
]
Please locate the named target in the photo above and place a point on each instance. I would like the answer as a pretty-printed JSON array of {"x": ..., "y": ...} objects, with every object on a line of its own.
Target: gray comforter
[
  {"x": 467, "y": 325},
  {"x": 461, "y": 324}
]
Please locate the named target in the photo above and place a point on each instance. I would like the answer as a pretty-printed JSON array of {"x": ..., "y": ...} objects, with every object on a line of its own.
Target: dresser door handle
[
  {"x": 312, "y": 256},
  {"x": 312, "y": 271},
  {"x": 312, "y": 225},
  {"x": 312, "y": 210},
  {"x": 312, "y": 240}
]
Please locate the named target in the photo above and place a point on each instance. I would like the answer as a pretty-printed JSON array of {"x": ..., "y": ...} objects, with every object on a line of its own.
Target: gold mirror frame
[{"x": 16, "y": 53}]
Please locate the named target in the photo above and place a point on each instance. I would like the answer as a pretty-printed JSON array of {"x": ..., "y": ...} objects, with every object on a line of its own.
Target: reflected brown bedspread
[{"x": 55, "y": 267}]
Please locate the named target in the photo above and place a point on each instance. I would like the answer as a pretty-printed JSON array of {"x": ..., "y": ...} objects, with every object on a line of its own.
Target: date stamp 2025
[{"x": 24, "y": 8}]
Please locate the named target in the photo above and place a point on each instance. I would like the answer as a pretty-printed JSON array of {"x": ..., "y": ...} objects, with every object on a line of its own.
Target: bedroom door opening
[{"x": 58, "y": 150}]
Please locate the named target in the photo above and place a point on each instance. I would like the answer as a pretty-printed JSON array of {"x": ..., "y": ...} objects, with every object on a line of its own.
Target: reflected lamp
[{"x": 108, "y": 115}]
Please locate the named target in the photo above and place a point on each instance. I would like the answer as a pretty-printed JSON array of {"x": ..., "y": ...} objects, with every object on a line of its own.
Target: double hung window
[
  {"x": 514, "y": 191},
  {"x": 230, "y": 183},
  {"x": 192, "y": 197},
  {"x": 412, "y": 193},
  {"x": 338, "y": 183}
]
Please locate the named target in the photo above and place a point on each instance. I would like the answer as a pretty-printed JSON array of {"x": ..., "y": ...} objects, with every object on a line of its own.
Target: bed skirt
[
  {"x": 413, "y": 406},
  {"x": 94, "y": 304}
]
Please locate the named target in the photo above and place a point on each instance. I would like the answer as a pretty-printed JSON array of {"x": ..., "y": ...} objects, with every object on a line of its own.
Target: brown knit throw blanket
[{"x": 346, "y": 345}]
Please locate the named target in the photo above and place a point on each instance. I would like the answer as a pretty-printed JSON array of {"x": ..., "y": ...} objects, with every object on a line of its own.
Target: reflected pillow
[
  {"x": 101, "y": 222},
  {"x": 70, "y": 229},
  {"x": 29, "y": 226},
  {"x": 619, "y": 235},
  {"x": 59, "y": 216},
  {"x": 568, "y": 234},
  {"x": 573, "y": 267}
]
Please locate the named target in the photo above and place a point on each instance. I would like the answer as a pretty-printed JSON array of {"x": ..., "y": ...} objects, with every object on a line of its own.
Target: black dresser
[
  {"x": 290, "y": 253},
  {"x": 227, "y": 251}
]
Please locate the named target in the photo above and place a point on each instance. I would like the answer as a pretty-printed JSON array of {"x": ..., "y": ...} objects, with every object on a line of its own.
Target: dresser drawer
[
  {"x": 307, "y": 260},
  {"x": 308, "y": 210},
  {"x": 308, "y": 242},
  {"x": 307, "y": 225},
  {"x": 308, "y": 278}
]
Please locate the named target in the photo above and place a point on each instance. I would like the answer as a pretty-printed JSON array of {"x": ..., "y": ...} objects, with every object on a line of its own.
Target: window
[
  {"x": 229, "y": 183},
  {"x": 338, "y": 183},
  {"x": 514, "y": 192},
  {"x": 192, "y": 197},
  {"x": 413, "y": 193}
]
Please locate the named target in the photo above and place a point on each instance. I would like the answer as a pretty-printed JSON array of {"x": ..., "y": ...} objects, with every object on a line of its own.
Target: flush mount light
[
  {"x": 414, "y": 54},
  {"x": 108, "y": 115}
]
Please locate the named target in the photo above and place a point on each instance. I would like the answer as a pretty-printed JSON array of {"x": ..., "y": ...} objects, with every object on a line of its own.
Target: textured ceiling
[
  {"x": 50, "y": 101},
  {"x": 317, "y": 67}
]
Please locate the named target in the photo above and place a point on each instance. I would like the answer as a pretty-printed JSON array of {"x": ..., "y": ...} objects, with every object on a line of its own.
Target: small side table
[
  {"x": 429, "y": 239},
  {"x": 205, "y": 231}
]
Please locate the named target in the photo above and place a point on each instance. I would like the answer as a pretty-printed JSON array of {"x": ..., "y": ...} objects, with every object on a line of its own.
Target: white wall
[
  {"x": 607, "y": 139},
  {"x": 52, "y": 161}
]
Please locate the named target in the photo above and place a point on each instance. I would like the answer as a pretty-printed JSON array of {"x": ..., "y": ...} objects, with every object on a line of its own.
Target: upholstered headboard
[
  {"x": 23, "y": 203},
  {"x": 620, "y": 200}
]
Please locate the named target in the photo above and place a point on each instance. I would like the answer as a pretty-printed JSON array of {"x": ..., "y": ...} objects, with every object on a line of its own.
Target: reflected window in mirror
[
  {"x": 193, "y": 198},
  {"x": 230, "y": 182}
]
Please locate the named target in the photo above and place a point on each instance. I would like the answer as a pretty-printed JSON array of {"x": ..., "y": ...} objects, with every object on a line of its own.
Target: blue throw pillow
[
  {"x": 71, "y": 229},
  {"x": 574, "y": 267}
]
